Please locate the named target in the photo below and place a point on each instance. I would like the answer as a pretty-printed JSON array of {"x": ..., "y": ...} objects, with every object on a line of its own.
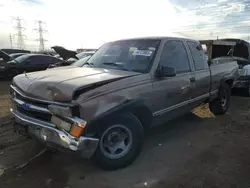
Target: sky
[{"x": 90, "y": 23}]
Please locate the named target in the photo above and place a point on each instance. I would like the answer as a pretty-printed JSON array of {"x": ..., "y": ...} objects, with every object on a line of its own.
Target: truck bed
[{"x": 222, "y": 70}]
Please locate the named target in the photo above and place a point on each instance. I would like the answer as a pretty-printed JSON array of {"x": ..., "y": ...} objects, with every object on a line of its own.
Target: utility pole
[
  {"x": 20, "y": 30},
  {"x": 11, "y": 45},
  {"x": 41, "y": 31}
]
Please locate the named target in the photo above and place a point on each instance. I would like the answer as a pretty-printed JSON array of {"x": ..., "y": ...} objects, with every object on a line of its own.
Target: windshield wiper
[
  {"x": 113, "y": 63},
  {"x": 117, "y": 64}
]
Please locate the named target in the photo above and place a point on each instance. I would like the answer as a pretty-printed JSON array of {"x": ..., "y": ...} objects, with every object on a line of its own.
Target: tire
[
  {"x": 120, "y": 142},
  {"x": 220, "y": 105}
]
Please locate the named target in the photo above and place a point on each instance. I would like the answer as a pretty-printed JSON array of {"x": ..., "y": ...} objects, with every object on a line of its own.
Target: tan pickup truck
[{"x": 103, "y": 109}]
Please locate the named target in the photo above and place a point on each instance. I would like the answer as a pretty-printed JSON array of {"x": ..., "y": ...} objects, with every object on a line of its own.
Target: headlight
[
  {"x": 61, "y": 124},
  {"x": 73, "y": 125},
  {"x": 243, "y": 72},
  {"x": 60, "y": 111},
  {"x": 2, "y": 67}
]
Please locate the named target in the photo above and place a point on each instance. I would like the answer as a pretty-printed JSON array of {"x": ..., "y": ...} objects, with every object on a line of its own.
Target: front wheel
[
  {"x": 220, "y": 105},
  {"x": 120, "y": 142}
]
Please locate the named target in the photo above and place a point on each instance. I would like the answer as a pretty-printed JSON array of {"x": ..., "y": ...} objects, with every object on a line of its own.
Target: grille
[
  {"x": 26, "y": 100},
  {"x": 35, "y": 113}
]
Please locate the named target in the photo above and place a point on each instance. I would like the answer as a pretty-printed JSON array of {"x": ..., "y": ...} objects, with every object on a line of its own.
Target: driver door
[{"x": 172, "y": 94}]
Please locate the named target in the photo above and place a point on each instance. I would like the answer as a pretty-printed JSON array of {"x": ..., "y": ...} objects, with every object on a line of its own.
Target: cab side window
[
  {"x": 175, "y": 55},
  {"x": 198, "y": 56},
  {"x": 51, "y": 60},
  {"x": 35, "y": 60}
]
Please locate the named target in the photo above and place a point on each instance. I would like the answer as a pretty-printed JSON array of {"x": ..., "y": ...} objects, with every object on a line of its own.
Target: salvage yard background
[{"x": 187, "y": 152}]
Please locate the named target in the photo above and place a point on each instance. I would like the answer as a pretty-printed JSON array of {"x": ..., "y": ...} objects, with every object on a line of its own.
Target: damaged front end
[{"x": 54, "y": 124}]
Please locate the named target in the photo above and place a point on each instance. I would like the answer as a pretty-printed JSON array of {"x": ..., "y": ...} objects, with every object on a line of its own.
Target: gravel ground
[{"x": 187, "y": 152}]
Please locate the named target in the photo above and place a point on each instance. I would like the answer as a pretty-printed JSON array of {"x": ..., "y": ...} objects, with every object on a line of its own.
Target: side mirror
[{"x": 164, "y": 71}]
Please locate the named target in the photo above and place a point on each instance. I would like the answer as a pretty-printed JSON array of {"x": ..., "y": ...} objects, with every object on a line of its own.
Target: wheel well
[
  {"x": 144, "y": 116},
  {"x": 142, "y": 113},
  {"x": 229, "y": 82}
]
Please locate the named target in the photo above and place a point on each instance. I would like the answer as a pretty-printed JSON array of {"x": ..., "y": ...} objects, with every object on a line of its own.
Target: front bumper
[{"x": 53, "y": 137}]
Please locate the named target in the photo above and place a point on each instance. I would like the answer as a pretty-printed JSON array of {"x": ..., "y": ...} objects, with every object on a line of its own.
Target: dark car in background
[
  {"x": 70, "y": 56},
  {"x": 27, "y": 63},
  {"x": 4, "y": 57}
]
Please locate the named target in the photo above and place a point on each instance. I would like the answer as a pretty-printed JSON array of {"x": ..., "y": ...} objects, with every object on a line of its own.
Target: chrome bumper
[{"x": 51, "y": 136}]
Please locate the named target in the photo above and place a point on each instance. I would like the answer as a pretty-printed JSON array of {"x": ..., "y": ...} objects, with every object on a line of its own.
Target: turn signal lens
[{"x": 77, "y": 129}]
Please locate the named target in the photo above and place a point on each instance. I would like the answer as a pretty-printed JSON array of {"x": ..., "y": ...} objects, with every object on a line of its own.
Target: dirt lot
[{"x": 188, "y": 152}]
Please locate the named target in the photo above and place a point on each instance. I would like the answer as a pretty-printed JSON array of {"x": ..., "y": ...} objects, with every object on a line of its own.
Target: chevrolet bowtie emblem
[{"x": 24, "y": 106}]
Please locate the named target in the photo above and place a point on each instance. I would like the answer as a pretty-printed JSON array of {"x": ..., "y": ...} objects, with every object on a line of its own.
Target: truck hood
[
  {"x": 60, "y": 84},
  {"x": 5, "y": 56},
  {"x": 64, "y": 53}
]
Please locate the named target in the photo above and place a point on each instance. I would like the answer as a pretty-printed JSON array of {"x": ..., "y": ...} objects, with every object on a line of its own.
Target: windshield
[
  {"x": 80, "y": 62},
  {"x": 129, "y": 55},
  {"x": 15, "y": 55},
  {"x": 21, "y": 58}
]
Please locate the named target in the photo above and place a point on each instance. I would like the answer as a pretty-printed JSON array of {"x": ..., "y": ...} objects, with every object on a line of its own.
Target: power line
[
  {"x": 41, "y": 31},
  {"x": 20, "y": 30}
]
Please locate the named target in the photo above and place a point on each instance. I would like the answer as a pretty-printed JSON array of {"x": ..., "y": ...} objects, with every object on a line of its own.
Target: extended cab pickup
[{"x": 102, "y": 109}]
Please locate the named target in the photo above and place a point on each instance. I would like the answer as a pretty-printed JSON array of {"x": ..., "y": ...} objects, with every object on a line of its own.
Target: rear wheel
[
  {"x": 120, "y": 142},
  {"x": 221, "y": 104}
]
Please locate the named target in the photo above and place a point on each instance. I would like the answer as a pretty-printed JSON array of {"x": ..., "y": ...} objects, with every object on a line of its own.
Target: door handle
[{"x": 192, "y": 79}]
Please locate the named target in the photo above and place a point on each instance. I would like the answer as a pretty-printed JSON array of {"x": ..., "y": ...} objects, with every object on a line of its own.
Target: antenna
[
  {"x": 20, "y": 30},
  {"x": 11, "y": 45},
  {"x": 41, "y": 31}
]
